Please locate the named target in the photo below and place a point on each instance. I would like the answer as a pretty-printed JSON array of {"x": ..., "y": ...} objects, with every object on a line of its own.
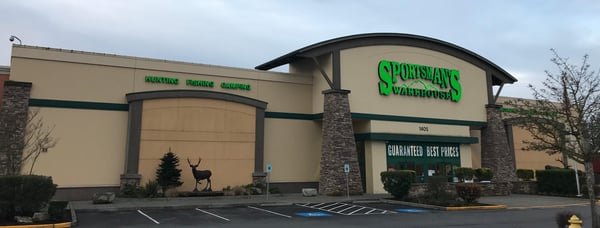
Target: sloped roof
[{"x": 499, "y": 75}]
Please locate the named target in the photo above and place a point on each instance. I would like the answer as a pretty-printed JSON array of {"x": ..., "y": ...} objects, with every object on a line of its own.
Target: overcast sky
[{"x": 516, "y": 35}]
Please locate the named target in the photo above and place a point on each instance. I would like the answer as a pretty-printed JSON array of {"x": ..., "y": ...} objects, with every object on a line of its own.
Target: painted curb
[
  {"x": 440, "y": 208},
  {"x": 491, "y": 207},
  {"x": 51, "y": 225},
  {"x": 56, "y": 225}
]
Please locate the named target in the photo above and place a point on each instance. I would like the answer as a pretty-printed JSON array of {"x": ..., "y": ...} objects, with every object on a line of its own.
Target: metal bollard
[{"x": 575, "y": 222}]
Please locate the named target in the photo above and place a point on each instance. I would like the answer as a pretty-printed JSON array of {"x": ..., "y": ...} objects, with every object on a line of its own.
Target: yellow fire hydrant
[{"x": 575, "y": 222}]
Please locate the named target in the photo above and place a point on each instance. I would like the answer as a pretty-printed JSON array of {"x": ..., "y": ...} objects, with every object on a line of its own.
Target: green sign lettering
[
  {"x": 199, "y": 83},
  {"x": 163, "y": 80},
  {"x": 232, "y": 85},
  {"x": 419, "y": 81},
  {"x": 196, "y": 83}
]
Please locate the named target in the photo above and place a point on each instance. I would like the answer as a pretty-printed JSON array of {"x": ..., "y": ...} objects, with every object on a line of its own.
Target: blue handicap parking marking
[
  {"x": 313, "y": 214},
  {"x": 411, "y": 210}
]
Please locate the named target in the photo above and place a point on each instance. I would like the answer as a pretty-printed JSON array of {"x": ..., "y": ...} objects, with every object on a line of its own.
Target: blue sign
[
  {"x": 346, "y": 168},
  {"x": 313, "y": 214},
  {"x": 411, "y": 210},
  {"x": 269, "y": 167}
]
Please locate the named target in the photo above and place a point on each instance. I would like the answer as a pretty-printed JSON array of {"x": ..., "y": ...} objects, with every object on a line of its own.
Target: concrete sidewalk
[{"x": 514, "y": 201}]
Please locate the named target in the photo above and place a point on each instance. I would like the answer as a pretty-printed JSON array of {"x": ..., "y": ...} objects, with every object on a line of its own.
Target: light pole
[
  {"x": 577, "y": 180},
  {"x": 570, "y": 139},
  {"x": 13, "y": 38}
]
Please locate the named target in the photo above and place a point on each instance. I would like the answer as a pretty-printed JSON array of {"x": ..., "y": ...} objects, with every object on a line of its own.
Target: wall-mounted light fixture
[{"x": 13, "y": 38}]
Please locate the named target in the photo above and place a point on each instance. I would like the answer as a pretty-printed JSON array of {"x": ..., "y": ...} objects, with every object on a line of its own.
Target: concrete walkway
[{"x": 514, "y": 201}]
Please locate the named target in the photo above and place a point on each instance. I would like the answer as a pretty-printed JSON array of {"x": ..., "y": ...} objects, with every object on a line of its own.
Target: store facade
[{"x": 414, "y": 103}]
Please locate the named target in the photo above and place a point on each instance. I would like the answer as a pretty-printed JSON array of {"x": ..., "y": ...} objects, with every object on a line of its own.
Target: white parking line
[
  {"x": 272, "y": 212},
  {"x": 346, "y": 209},
  {"x": 356, "y": 210},
  {"x": 326, "y": 206},
  {"x": 145, "y": 215},
  {"x": 206, "y": 212},
  {"x": 343, "y": 205}
]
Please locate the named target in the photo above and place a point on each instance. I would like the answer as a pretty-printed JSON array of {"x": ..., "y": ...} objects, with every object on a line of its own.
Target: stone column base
[{"x": 259, "y": 178}]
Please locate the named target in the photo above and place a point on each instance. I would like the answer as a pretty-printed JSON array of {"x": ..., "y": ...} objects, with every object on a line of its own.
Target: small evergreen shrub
[
  {"x": 525, "y": 174},
  {"x": 167, "y": 174},
  {"x": 436, "y": 188},
  {"x": 131, "y": 191},
  {"x": 152, "y": 190},
  {"x": 398, "y": 182},
  {"x": 484, "y": 174},
  {"x": 464, "y": 173},
  {"x": 469, "y": 192},
  {"x": 24, "y": 194}
]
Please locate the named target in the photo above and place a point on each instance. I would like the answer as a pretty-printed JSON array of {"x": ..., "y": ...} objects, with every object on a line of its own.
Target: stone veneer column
[
  {"x": 338, "y": 146},
  {"x": 13, "y": 121},
  {"x": 495, "y": 150}
]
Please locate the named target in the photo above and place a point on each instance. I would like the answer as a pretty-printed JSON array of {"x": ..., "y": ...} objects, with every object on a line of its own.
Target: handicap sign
[
  {"x": 269, "y": 167},
  {"x": 411, "y": 210},
  {"x": 313, "y": 214},
  {"x": 346, "y": 168}
]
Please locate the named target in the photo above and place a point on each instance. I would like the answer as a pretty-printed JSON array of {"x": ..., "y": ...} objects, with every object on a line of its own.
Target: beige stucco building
[{"x": 416, "y": 103}]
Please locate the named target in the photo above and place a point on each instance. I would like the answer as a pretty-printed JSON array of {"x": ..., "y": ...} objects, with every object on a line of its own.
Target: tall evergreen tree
[{"x": 167, "y": 174}]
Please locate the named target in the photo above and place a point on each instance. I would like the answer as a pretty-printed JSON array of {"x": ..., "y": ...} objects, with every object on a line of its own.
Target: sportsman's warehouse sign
[{"x": 407, "y": 79}]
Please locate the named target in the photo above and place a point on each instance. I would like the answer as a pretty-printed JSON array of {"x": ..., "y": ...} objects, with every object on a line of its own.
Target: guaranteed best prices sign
[{"x": 407, "y": 79}]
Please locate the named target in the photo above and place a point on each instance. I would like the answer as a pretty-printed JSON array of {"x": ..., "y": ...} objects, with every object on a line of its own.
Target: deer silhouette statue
[{"x": 201, "y": 175}]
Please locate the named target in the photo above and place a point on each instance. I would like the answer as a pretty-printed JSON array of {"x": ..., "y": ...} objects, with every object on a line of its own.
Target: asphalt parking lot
[{"x": 238, "y": 216}]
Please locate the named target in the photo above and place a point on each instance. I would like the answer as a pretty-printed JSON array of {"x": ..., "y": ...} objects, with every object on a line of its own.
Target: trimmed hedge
[
  {"x": 469, "y": 192},
  {"x": 24, "y": 195},
  {"x": 463, "y": 173},
  {"x": 525, "y": 174},
  {"x": 558, "y": 181},
  {"x": 484, "y": 174},
  {"x": 398, "y": 182}
]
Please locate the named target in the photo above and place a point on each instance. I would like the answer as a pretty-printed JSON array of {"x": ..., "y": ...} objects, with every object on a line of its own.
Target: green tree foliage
[
  {"x": 557, "y": 181},
  {"x": 525, "y": 174},
  {"x": 469, "y": 192},
  {"x": 398, "y": 182},
  {"x": 167, "y": 174},
  {"x": 464, "y": 173},
  {"x": 24, "y": 195},
  {"x": 564, "y": 117},
  {"x": 484, "y": 174}
]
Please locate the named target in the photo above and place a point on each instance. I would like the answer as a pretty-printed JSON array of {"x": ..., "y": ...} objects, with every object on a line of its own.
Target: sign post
[
  {"x": 347, "y": 171},
  {"x": 269, "y": 169}
]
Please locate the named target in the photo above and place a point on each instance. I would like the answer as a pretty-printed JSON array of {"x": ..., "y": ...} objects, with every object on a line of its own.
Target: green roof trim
[
  {"x": 78, "y": 105},
  {"x": 275, "y": 115},
  {"x": 367, "y": 116},
  {"x": 415, "y": 138},
  {"x": 293, "y": 116}
]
